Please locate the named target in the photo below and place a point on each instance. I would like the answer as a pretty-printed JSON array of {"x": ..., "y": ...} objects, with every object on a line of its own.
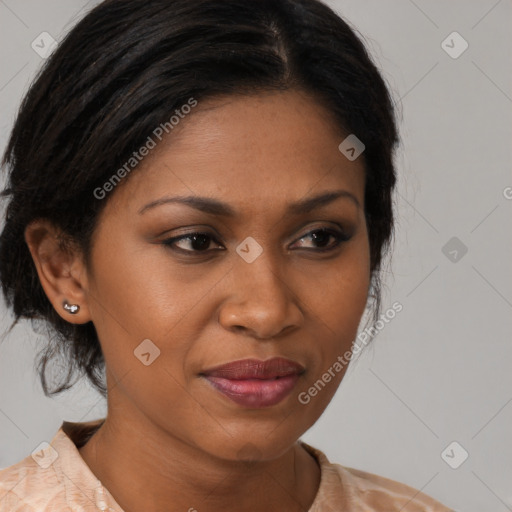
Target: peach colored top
[{"x": 57, "y": 479}]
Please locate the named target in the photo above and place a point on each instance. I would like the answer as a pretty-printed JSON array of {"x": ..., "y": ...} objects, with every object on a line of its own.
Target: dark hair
[{"x": 120, "y": 72}]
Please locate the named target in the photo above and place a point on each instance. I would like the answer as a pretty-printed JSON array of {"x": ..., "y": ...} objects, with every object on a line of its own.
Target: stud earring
[{"x": 71, "y": 308}]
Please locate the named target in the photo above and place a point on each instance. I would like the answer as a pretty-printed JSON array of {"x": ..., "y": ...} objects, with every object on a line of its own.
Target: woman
[{"x": 200, "y": 198}]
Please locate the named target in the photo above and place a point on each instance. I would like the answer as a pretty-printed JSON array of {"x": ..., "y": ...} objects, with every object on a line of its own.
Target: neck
[{"x": 156, "y": 471}]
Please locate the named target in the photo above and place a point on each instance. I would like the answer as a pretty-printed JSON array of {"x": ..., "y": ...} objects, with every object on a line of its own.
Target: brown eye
[
  {"x": 321, "y": 237},
  {"x": 199, "y": 242}
]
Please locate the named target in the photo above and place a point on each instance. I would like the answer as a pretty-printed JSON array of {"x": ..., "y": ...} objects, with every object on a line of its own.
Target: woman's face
[{"x": 267, "y": 281}]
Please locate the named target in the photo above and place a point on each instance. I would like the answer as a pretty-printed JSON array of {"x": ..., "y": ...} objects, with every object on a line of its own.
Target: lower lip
[{"x": 255, "y": 393}]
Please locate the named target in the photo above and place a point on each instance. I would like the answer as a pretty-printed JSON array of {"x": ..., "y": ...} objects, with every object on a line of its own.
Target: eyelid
[
  {"x": 340, "y": 234},
  {"x": 206, "y": 230},
  {"x": 171, "y": 241}
]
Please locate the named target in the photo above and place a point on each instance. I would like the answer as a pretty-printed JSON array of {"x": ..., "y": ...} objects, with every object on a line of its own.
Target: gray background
[{"x": 440, "y": 371}]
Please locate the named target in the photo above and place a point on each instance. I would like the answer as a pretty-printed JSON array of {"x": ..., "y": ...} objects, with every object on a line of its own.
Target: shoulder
[
  {"x": 54, "y": 477},
  {"x": 386, "y": 493},
  {"x": 29, "y": 487},
  {"x": 349, "y": 488}
]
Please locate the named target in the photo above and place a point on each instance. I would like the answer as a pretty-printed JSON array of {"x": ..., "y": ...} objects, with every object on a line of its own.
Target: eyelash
[{"x": 339, "y": 236}]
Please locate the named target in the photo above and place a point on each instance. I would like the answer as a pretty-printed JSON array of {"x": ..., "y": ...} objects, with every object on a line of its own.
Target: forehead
[{"x": 253, "y": 152}]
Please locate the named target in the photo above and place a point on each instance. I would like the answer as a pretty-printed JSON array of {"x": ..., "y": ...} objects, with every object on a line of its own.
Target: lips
[
  {"x": 256, "y": 369},
  {"x": 254, "y": 383}
]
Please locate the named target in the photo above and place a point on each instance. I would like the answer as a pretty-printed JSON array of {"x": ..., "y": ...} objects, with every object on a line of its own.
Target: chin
[{"x": 251, "y": 448}]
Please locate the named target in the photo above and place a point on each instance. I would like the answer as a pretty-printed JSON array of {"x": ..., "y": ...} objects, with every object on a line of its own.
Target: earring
[{"x": 71, "y": 308}]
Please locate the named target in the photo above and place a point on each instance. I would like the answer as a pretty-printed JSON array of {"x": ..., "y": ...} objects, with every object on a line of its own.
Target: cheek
[
  {"x": 336, "y": 308},
  {"x": 138, "y": 292},
  {"x": 340, "y": 291},
  {"x": 144, "y": 296}
]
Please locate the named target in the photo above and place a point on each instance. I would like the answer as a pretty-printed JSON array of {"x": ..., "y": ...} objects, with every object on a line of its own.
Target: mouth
[{"x": 254, "y": 383}]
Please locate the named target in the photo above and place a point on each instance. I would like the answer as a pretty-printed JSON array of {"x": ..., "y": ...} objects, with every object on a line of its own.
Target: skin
[{"x": 170, "y": 441}]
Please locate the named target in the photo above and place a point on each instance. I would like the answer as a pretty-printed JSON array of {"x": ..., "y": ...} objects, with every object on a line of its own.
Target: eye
[
  {"x": 322, "y": 236},
  {"x": 200, "y": 242}
]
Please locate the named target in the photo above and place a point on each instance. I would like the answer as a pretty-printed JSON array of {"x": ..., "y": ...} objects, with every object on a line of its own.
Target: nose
[{"x": 262, "y": 302}]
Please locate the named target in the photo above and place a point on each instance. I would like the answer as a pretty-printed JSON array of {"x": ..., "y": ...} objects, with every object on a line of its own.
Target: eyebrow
[{"x": 216, "y": 207}]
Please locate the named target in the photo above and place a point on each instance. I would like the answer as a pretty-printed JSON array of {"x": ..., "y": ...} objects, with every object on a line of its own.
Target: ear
[{"x": 61, "y": 270}]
